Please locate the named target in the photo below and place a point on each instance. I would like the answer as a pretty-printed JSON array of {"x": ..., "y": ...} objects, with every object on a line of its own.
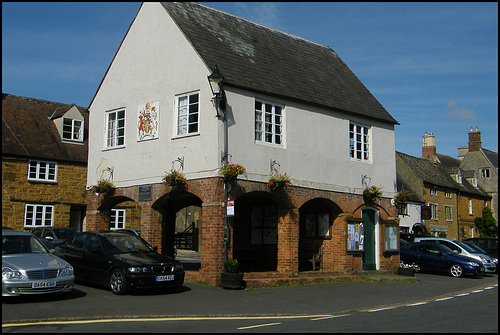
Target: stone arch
[
  {"x": 317, "y": 229},
  {"x": 254, "y": 231}
]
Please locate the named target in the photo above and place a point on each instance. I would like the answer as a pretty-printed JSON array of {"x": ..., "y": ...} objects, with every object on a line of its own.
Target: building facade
[
  {"x": 452, "y": 194},
  {"x": 315, "y": 122},
  {"x": 44, "y": 163},
  {"x": 483, "y": 164}
]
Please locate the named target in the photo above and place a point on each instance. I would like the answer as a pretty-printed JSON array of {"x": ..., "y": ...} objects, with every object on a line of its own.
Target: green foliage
[
  {"x": 231, "y": 265},
  {"x": 277, "y": 182},
  {"x": 103, "y": 186},
  {"x": 175, "y": 178},
  {"x": 232, "y": 170},
  {"x": 487, "y": 224}
]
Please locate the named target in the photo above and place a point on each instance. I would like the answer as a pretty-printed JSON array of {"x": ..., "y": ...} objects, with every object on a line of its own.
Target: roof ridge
[{"x": 264, "y": 26}]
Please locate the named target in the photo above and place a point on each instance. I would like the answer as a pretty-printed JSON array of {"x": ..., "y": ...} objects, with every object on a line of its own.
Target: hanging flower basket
[
  {"x": 372, "y": 193},
  {"x": 232, "y": 171},
  {"x": 175, "y": 179},
  {"x": 103, "y": 186},
  {"x": 402, "y": 196},
  {"x": 279, "y": 182}
]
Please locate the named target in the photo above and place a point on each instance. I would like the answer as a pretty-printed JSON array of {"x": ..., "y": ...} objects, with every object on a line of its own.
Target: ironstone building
[{"x": 288, "y": 106}]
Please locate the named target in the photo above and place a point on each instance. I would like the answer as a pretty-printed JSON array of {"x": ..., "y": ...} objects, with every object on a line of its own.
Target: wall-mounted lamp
[{"x": 216, "y": 81}]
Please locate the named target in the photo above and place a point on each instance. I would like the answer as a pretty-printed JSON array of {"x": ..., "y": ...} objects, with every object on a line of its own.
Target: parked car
[
  {"x": 120, "y": 260},
  {"x": 435, "y": 257},
  {"x": 29, "y": 268},
  {"x": 135, "y": 231},
  {"x": 409, "y": 237},
  {"x": 462, "y": 249},
  {"x": 478, "y": 249},
  {"x": 490, "y": 244},
  {"x": 52, "y": 236}
]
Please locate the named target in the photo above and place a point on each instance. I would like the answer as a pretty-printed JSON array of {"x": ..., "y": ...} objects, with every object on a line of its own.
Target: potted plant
[
  {"x": 103, "y": 186},
  {"x": 372, "y": 193},
  {"x": 407, "y": 269},
  {"x": 231, "y": 278},
  {"x": 175, "y": 179},
  {"x": 402, "y": 196},
  {"x": 232, "y": 171},
  {"x": 279, "y": 182}
]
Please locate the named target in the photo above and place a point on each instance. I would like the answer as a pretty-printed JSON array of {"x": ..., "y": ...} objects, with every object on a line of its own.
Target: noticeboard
[
  {"x": 355, "y": 236},
  {"x": 391, "y": 238}
]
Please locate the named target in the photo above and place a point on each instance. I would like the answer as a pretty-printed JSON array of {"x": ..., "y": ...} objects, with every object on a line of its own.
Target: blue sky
[{"x": 433, "y": 66}]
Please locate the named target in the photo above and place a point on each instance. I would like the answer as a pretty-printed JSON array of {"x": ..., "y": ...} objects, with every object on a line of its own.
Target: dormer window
[
  {"x": 72, "y": 130},
  {"x": 459, "y": 179}
]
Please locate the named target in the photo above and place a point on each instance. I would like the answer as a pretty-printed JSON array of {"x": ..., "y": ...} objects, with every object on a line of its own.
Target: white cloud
[{"x": 455, "y": 112}]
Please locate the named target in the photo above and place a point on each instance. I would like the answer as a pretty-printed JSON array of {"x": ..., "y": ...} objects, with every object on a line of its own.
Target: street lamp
[{"x": 216, "y": 81}]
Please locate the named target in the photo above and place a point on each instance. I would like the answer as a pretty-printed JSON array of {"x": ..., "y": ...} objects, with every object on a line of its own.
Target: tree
[{"x": 487, "y": 224}]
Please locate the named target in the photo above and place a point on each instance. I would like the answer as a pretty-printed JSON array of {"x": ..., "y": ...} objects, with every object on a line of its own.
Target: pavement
[{"x": 191, "y": 262}]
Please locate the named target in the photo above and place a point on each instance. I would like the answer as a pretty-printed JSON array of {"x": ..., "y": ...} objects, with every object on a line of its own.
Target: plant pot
[
  {"x": 231, "y": 280},
  {"x": 410, "y": 272}
]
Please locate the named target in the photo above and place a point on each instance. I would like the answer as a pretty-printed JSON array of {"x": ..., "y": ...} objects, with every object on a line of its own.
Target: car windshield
[
  {"x": 21, "y": 244},
  {"x": 476, "y": 248},
  {"x": 121, "y": 243},
  {"x": 65, "y": 233},
  {"x": 466, "y": 247}
]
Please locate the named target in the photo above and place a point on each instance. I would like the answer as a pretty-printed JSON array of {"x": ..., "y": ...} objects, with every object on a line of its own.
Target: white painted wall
[
  {"x": 316, "y": 150},
  {"x": 155, "y": 62},
  {"x": 414, "y": 216}
]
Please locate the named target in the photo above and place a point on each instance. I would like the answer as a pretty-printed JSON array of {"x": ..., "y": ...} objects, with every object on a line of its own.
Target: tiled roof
[
  {"x": 28, "y": 131},
  {"x": 438, "y": 174},
  {"x": 257, "y": 58},
  {"x": 492, "y": 157}
]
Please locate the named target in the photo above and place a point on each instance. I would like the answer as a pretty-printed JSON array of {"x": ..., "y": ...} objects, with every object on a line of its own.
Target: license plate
[
  {"x": 44, "y": 284},
  {"x": 165, "y": 278}
]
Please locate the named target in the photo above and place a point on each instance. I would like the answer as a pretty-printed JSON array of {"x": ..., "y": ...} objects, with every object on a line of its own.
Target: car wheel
[
  {"x": 117, "y": 282},
  {"x": 457, "y": 270}
]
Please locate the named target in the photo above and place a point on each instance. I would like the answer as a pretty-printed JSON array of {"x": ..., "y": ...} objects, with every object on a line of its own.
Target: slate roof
[
  {"x": 491, "y": 156},
  {"x": 261, "y": 59},
  {"x": 439, "y": 174},
  {"x": 27, "y": 130},
  {"x": 403, "y": 185}
]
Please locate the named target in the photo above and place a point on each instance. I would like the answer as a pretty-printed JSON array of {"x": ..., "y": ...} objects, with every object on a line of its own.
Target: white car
[
  {"x": 29, "y": 268},
  {"x": 462, "y": 249}
]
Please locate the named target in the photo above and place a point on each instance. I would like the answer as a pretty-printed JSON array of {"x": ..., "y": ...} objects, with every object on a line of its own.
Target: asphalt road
[{"x": 195, "y": 301}]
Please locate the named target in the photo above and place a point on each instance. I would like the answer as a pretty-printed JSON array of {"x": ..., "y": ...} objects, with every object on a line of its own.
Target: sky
[{"x": 433, "y": 66}]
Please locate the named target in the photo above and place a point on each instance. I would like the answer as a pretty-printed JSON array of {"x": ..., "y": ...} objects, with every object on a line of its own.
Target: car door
[
  {"x": 94, "y": 261},
  {"x": 72, "y": 253},
  {"x": 430, "y": 257}
]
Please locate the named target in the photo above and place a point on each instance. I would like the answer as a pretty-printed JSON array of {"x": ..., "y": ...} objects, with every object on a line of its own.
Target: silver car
[{"x": 29, "y": 268}]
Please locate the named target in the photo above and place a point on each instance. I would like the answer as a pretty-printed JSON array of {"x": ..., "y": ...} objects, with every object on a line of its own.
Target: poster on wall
[
  {"x": 147, "y": 121},
  {"x": 355, "y": 236}
]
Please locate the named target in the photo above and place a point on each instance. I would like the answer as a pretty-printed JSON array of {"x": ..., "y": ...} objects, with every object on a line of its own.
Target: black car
[
  {"x": 435, "y": 257},
  {"x": 119, "y": 260},
  {"x": 52, "y": 236}
]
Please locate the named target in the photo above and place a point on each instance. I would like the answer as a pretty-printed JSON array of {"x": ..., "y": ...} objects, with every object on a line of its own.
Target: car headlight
[
  {"x": 474, "y": 264},
  {"x": 8, "y": 273},
  {"x": 138, "y": 269},
  {"x": 67, "y": 271}
]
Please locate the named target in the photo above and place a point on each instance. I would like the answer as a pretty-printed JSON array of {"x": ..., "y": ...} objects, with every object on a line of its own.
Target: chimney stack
[
  {"x": 429, "y": 148},
  {"x": 474, "y": 140},
  {"x": 429, "y": 145}
]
